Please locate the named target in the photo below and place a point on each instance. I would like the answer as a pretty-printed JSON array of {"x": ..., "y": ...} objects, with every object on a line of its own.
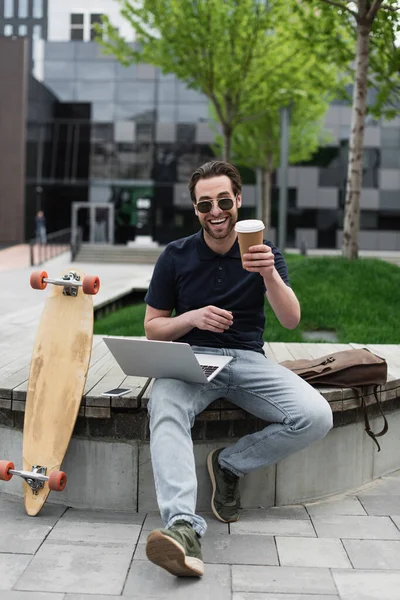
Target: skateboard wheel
[
  {"x": 57, "y": 481},
  {"x": 90, "y": 284},
  {"x": 5, "y": 467},
  {"x": 37, "y": 280}
]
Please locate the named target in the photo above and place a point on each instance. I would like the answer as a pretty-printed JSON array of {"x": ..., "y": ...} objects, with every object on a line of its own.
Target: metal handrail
[{"x": 57, "y": 243}]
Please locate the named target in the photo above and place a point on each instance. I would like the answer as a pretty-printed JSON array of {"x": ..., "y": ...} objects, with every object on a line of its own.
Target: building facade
[{"x": 132, "y": 136}]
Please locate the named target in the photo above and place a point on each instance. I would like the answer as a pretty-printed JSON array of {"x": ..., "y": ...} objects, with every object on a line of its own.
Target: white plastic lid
[{"x": 249, "y": 226}]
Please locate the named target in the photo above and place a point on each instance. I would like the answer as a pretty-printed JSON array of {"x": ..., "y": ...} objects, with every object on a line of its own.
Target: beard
[{"x": 226, "y": 229}]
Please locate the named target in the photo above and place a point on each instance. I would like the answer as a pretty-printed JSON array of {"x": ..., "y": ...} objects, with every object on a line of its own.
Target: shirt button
[
  {"x": 219, "y": 280},
  {"x": 219, "y": 268}
]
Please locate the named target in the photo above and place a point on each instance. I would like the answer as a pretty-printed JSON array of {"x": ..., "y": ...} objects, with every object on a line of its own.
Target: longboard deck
[{"x": 60, "y": 361}]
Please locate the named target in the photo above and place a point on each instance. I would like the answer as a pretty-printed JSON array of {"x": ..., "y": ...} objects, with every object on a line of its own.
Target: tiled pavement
[{"x": 346, "y": 548}]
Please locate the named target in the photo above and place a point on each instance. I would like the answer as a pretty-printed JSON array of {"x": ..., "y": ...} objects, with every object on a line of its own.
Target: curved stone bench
[{"x": 108, "y": 461}]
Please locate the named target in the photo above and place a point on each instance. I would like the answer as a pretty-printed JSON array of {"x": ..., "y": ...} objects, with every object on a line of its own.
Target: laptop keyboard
[{"x": 208, "y": 369}]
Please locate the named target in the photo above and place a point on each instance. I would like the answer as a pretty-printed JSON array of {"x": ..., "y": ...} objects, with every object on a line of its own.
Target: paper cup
[{"x": 250, "y": 233}]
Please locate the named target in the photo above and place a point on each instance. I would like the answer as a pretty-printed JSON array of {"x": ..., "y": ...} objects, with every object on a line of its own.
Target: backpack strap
[{"x": 372, "y": 435}]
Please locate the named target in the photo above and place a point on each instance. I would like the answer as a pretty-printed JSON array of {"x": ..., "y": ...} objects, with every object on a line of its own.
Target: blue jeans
[{"x": 296, "y": 413}]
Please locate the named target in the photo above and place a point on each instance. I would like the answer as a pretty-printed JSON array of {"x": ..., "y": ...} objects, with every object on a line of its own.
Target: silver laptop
[{"x": 149, "y": 358}]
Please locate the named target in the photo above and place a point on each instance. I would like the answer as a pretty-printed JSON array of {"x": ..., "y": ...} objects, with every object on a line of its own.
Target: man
[
  {"x": 40, "y": 226},
  {"x": 219, "y": 308}
]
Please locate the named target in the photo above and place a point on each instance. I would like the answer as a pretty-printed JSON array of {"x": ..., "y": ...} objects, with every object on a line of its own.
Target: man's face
[{"x": 218, "y": 222}]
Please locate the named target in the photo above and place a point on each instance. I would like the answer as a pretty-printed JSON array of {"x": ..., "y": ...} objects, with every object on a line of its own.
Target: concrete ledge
[{"x": 109, "y": 474}]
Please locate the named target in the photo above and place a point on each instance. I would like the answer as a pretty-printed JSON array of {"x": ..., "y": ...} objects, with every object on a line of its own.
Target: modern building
[{"x": 97, "y": 132}]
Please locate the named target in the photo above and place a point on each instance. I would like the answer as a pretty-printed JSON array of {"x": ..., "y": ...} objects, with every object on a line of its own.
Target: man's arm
[
  {"x": 159, "y": 325},
  {"x": 282, "y": 299}
]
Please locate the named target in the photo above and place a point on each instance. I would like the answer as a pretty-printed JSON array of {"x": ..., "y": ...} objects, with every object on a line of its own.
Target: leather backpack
[{"x": 356, "y": 369}]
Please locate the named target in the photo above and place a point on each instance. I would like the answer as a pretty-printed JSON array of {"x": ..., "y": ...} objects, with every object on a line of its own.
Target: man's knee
[{"x": 320, "y": 419}]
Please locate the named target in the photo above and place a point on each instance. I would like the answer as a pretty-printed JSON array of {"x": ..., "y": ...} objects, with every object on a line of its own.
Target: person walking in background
[
  {"x": 40, "y": 225},
  {"x": 202, "y": 295}
]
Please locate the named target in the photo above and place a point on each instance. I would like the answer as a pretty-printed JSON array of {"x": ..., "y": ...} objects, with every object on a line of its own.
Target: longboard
[{"x": 59, "y": 366}]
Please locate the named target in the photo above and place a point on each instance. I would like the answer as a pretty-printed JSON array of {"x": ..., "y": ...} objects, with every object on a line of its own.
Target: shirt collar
[{"x": 205, "y": 252}]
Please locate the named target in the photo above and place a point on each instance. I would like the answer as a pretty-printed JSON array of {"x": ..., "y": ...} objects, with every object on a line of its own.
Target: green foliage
[
  {"x": 329, "y": 31},
  {"x": 241, "y": 54},
  {"x": 217, "y": 48},
  {"x": 357, "y": 299}
]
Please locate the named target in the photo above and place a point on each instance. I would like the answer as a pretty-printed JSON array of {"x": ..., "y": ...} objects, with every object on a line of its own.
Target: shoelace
[{"x": 231, "y": 486}]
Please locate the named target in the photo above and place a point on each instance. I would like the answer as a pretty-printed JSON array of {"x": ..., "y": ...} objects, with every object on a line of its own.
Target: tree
[
  {"x": 219, "y": 48},
  {"x": 373, "y": 26},
  {"x": 256, "y": 143}
]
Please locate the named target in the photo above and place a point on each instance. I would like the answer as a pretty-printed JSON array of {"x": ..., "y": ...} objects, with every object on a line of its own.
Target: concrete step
[{"x": 102, "y": 253}]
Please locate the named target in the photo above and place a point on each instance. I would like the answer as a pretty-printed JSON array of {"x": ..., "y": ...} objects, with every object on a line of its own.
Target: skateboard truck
[
  {"x": 71, "y": 281},
  {"x": 57, "y": 480},
  {"x": 33, "y": 479}
]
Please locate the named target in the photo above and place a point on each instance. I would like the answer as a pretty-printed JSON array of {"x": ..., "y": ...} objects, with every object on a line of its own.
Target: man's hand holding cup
[{"x": 256, "y": 256}]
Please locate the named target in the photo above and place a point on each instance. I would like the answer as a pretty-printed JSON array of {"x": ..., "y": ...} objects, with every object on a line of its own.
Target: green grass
[{"x": 359, "y": 300}]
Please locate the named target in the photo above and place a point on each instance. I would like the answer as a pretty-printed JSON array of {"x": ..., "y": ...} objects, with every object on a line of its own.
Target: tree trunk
[
  {"x": 227, "y": 132},
  {"x": 351, "y": 225},
  {"x": 267, "y": 176}
]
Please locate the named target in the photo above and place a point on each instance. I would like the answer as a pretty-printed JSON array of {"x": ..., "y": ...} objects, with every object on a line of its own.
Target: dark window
[
  {"x": 323, "y": 157},
  {"x": 95, "y": 19},
  {"x": 77, "y": 35},
  {"x": 389, "y": 221},
  {"x": 77, "y": 27},
  {"x": 327, "y": 224},
  {"x": 77, "y": 19}
]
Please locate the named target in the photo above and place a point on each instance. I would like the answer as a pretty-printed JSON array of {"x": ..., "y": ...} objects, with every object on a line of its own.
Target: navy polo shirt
[{"x": 188, "y": 275}]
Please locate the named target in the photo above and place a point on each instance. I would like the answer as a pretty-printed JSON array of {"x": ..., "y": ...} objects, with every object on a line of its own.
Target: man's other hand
[{"x": 212, "y": 318}]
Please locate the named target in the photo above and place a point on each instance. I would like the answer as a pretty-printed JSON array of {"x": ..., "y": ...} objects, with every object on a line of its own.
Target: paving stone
[
  {"x": 373, "y": 554},
  {"x": 283, "y": 580},
  {"x": 348, "y": 505},
  {"x": 146, "y": 580},
  {"x": 396, "y": 520},
  {"x": 103, "y": 516},
  {"x": 228, "y": 549},
  {"x": 12, "y": 508},
  {"x": 381, "y": 505},
  {"x": 284, "y": 527},
  {"x": 14, "y": 595},
  {"x": 22, "y": 536},
  {"x": 241, "y": 596},
  {"x": 275, "y": 512},
  {"x": 363, "y": 585},
  {"x": 354, "y": 527},
  {"x": 78, "y": 567},
  {"x": 240, "y": 550},
  {"x": 11, "y": 568},
  {"x": 389, "y": 485},
  {"x": 103, "y": 534},
  {"x": 311, "y": 552}
]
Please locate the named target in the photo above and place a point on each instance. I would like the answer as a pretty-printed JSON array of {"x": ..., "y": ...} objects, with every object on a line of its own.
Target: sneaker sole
[
  {"x": 214, "y": 487},
  {"x": 165, "y": 552}
]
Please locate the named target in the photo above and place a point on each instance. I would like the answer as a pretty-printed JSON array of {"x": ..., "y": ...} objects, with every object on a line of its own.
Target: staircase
[{"x": 105, "y": 253}]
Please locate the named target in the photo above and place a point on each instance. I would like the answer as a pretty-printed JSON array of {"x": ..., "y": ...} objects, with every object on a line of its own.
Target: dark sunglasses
[{"x": 204, "y": 206}]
